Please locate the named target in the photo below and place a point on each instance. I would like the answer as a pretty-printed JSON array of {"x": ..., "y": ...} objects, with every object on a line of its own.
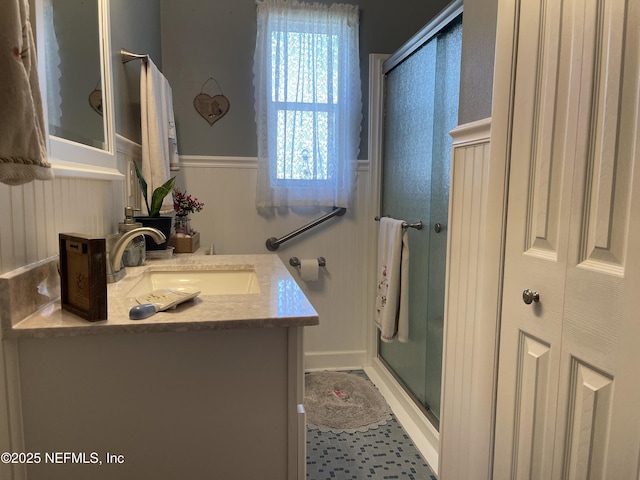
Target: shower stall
[{"x": 421, "y": 87}]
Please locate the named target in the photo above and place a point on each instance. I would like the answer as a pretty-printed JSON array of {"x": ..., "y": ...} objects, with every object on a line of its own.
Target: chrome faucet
[{"x": 115, "y": 270}]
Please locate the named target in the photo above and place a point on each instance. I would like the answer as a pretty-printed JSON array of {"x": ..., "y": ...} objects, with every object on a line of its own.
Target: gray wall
[
  {"x": 136, "y": 27},
  {"x": 202, "y": 39},
  {"x": 478, "y": 47},
  {"x": 192, "y": 40}
]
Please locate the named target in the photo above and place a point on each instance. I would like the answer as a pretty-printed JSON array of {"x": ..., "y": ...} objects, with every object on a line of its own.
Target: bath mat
[{"x": 341, "y": 402}]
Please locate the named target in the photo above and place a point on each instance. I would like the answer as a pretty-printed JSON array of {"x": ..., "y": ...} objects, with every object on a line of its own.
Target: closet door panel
[
  {"x": 598, "y": 314},
  {"x": 607, "y": 180},
  {"x": 535, "y": 250},
  {"x": 532, "y": 390},
  {"x": 535, "y": 139},
  {"x": 573, "y": 232},
  {"x": 589, "y": 423}
]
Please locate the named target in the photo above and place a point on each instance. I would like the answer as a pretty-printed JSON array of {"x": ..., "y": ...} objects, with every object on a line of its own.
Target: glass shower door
[{"x": 421, "y": 107}]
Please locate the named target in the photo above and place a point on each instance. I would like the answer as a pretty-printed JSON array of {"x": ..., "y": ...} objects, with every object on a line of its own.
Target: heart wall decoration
[
  {"x": 95, "y": 100},
  {"x": 211, "y": 108}
]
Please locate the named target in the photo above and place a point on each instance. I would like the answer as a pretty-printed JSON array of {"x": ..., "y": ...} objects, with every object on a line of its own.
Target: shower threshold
[{"x": 426, "y": 411}]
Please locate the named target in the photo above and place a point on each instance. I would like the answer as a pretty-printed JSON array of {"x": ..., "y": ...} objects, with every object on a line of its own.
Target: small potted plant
[
  {"x": 186, "y": 239},
  {"x": 153, "y": 218},
  {"x": 184, "y": 205}
]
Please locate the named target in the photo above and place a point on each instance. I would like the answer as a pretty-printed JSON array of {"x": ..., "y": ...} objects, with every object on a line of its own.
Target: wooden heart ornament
[
  {"x": 95, "y": 100},
  {"x": 211, "y": 108}
]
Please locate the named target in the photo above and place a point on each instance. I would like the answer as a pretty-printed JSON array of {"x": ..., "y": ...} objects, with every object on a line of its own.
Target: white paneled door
[{"x": 569, "y": 362}]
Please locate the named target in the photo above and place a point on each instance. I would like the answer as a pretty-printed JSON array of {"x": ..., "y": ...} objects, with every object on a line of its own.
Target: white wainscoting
[
  {"x": 36, "y": 212},
  {"x": 472, "y": 306},
  {"x": 232, "y": 224},
  {"x": 32, "y": 215}
]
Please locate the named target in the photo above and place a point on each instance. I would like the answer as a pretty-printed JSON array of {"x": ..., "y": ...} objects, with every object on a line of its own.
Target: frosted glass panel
[
  {"x": 421, "y": 107},
  {"x": 445, "y": 119},
  {"x": 406, "y": 194}
]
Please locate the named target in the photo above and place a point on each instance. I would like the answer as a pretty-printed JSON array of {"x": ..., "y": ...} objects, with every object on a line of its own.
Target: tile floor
[{"x": 386, "y": 452}]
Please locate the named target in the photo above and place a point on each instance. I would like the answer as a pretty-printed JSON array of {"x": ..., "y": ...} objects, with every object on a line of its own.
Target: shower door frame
[{"x": 409, "y": 413}]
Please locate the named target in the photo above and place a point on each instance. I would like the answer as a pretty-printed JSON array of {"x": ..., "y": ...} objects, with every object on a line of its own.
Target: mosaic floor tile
[{"x": 386, "y": 452}]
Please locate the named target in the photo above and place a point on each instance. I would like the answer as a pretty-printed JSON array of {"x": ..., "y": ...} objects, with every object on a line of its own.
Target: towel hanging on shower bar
[
  {"x": 417, "y": 225},
  {"x": 392, "y": 294}
]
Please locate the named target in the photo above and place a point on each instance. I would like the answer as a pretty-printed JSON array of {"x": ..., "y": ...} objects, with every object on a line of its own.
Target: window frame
[{"x": 330, "y": 107}]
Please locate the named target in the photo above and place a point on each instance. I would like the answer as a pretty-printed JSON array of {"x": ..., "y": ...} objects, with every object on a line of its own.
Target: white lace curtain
[{"x": 308, "y": 103}]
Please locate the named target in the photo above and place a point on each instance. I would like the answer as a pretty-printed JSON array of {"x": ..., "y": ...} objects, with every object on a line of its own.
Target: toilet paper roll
[{"x": 309, "y": 269}]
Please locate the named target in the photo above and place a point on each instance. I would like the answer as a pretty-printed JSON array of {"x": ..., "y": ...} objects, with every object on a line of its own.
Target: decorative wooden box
[
  {"x": 185, "y": 244},
  {"x": 83, "y": 276}
]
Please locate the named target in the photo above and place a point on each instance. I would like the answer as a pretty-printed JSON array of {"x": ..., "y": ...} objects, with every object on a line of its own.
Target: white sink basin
[{"x": 209, "y": 282}]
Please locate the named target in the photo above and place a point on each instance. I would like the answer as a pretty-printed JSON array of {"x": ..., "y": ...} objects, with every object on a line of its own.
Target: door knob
[{"x": 529, "y": 296}]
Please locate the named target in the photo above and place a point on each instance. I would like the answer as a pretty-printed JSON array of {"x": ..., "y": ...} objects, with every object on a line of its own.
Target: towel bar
[
  {"x": 416, "y": 225},
  {"x": 128, "y": 56}
]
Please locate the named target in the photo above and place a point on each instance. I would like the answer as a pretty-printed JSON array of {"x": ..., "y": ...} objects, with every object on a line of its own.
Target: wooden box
[
  {"x": 83, "y": 276},
  {"x": 185, "y": 244}
]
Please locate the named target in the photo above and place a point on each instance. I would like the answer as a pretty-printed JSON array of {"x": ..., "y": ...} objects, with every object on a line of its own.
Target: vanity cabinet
[
  {"x": 195, "y": 404},
  {"x": 212, "y": 389}
]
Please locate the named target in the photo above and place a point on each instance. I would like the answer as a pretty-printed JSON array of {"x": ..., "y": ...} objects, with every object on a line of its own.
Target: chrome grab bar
[
  {"x": 273, "y": 243},
  {"x": 416, "y": 225}
]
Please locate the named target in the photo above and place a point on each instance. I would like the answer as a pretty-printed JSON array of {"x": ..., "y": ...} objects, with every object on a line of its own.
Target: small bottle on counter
[{"x": 135, "y": 252}]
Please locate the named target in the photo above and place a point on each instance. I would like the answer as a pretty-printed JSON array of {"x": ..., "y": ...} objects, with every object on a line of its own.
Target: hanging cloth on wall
[
  {"x": 211, "y": 108},
  {"x": 23, "y": 154},
  {"x": 159, "y": 142}
]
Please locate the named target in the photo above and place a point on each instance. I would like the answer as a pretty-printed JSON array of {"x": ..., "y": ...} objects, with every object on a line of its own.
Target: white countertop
[{"x": 280, "y": 303}]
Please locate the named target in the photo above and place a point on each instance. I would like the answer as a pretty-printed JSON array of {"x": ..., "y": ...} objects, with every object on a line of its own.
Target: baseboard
[
  {"x": 423, "y": 434},
  {"x": 349, "y": 360}
]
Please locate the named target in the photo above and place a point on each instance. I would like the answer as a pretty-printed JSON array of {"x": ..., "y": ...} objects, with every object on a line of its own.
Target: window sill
[{"x": 78, "y": 170}]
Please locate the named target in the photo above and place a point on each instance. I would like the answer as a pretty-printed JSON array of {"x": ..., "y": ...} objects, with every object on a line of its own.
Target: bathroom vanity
[{"x": 211, "y": 389}]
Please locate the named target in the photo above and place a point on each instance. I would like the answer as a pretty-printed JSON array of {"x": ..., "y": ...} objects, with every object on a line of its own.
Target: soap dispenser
[{"x": 134, "y": 253}]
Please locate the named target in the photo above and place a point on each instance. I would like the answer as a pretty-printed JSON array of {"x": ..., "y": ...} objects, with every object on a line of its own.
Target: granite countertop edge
[{"x": 280, "y": 304}]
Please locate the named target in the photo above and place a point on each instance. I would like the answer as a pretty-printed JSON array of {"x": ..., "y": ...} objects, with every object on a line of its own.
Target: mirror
[
  {"x": 74, "y": 64},
  {"x": 73, "y": 73}
]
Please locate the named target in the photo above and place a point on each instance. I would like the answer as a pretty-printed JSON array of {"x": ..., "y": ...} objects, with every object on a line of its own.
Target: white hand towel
[
  {"x": 23, "y": 153},
  {"x": 393, "y": 274},
  {"x": 159, "y": 143}
]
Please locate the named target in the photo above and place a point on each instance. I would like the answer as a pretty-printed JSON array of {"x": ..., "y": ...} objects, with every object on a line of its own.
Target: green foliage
[{"x": 158, "y": 194}]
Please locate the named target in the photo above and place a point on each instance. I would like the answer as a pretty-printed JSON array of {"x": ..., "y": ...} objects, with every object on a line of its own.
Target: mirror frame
[{"x": 73, "y": 159}]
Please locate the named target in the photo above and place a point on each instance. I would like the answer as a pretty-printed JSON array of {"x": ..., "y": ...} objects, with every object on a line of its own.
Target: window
[{"x": 308, "y": 103}]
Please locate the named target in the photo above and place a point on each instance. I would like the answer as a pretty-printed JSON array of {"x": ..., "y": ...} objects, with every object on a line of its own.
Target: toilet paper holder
[{"x": 295, "y": 262}]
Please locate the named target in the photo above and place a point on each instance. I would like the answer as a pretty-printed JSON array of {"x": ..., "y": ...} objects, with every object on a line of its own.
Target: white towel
[
  {"x": 23, "y": 153},
  {"x": 159, "y": 142},
  {"x": 392, "y": 296}
]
